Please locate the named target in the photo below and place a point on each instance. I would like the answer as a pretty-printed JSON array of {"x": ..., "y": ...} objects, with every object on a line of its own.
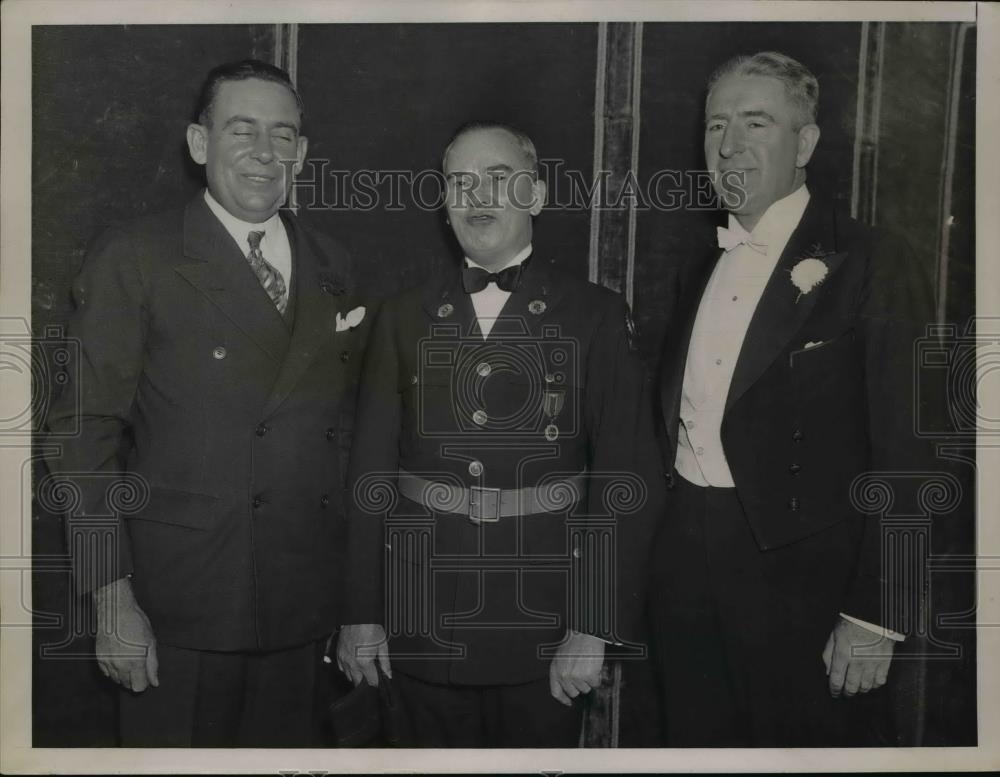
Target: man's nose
[
  {"x": 732, "y": 142},
  {"x": 263, "y": 150}
]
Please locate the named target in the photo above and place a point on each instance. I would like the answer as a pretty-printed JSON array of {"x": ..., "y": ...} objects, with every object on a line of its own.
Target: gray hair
[
  {"x": 800, "y": 84},
  {"x": 523, "y": 141}
]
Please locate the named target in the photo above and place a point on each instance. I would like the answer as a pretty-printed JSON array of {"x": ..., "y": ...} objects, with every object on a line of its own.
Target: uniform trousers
[
  {"x": 218, "y": 699},
  {"x": 522, "y": 715},
  {"x": 738, "y": 633}
]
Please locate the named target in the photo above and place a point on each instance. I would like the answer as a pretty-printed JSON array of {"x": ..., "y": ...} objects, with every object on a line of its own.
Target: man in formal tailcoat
[
  {"x": 220, "y": 350},
  {"x": 494, "y": 504},
  {"x": 786, "y": 375}
]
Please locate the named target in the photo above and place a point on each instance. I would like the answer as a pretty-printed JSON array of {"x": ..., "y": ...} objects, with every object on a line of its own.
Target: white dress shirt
[
  {"x": 274, "y": 246},
  {"x": 727, "y": 306},
  {"x": 490, "y": 301},
  {"x": 730, "y": 299}
]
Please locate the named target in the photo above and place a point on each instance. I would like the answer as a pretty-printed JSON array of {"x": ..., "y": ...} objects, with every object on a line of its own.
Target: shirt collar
[
  {"x": 778, "y": 221},
  {"x": 238, "y": 228},
  {"x": 518, "y": 258}
]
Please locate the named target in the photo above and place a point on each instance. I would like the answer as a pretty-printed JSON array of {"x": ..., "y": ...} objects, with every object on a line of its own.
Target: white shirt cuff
[{"x": 895, "y": 636}]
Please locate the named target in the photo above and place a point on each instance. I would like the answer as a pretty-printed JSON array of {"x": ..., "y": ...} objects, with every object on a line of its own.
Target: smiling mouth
[{"x": 258, "y": 178}]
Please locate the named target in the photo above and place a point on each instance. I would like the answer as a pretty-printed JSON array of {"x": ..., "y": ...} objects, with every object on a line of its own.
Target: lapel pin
[
  {"x": 446, "y": 310},
  {"x": 537, "y": 306}
]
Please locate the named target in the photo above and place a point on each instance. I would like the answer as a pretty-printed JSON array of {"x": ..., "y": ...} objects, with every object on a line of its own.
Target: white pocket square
[
  {"x": 351, "y": 320},
  {"x": 812, "y": 344}
]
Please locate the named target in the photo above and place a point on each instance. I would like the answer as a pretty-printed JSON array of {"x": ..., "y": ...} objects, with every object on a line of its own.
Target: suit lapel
[
  {"x": 782, "y": 311},
  {"x": 316, "y": 311},
  {"x": 219, "y": 270}
]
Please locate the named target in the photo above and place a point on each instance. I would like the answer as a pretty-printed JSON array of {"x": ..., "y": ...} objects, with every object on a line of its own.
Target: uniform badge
[
  {"x": 537, "y": 306},
  {"x": 552, "y": 405},
  {"x": 446, "y": 310}
]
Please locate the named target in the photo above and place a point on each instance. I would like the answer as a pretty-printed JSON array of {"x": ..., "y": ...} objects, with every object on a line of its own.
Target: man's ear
[
  {"x": 300, "y": 153},
  {"x": 197, "y": 139},
  {"x": 808, "y": 138},
  {"x": 538, "y": 192}
]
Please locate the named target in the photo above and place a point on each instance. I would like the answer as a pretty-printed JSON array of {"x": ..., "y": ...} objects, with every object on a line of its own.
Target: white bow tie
[{"x": 737, "y": 235}]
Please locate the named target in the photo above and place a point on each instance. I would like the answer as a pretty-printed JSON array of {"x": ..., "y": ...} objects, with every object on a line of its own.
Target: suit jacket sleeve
[
  {"x": 895, "y": 307},
  {"x": 374, "y": 463},
  {"x": 618, "y": 410},
  {"x": 108, "y": 327}
]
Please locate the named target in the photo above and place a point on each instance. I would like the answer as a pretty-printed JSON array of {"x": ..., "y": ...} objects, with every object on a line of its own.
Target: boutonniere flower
[
  {"x": 351, "y": 320},
  {"x": 810, "y": 271}
]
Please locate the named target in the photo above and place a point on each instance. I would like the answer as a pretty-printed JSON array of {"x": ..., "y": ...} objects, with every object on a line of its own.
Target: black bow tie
[{"x": 476, "y": 278}]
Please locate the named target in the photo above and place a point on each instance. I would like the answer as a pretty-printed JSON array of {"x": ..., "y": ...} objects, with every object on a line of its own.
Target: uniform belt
[{"x": 489, "y": 505}]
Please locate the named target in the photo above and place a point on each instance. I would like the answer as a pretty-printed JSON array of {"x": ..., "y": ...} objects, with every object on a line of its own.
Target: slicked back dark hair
[
  {"x": 522, "y": 139},
  {"x": 241, "y": 71}
]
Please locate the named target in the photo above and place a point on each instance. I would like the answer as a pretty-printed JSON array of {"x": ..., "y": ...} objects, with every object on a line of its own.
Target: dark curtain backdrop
[{"x": 110, "y": 105}]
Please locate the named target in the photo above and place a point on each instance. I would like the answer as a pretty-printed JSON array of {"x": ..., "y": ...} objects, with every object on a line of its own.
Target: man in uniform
[
  {"x": 787, "y": 375},
  {"x": 220, "y": 350},
  {"x": 499, "y": 408}
]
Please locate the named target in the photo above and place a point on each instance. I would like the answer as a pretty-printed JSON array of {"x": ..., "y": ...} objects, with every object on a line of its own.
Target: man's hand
[
  {"x": 577, "y": 666},
  {"x": 857, "y": 659},
  {"x": 357, "y": 648},
  {"x": 126, "y": 647}
]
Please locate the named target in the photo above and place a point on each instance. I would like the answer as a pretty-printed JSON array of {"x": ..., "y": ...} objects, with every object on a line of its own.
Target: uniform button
[
  {"x": 670, "y": 480},
  {"x": 331, "y": 433},
  {"x": 794, "y": 469},
  {"x": 345, "y": 356},
  {"x": 483, "y": 369},
  {"x": 479, "y": 417},
  {"x": 576, "y": 553},
  {"x": 793, "y": 504},
  {"x": 718, "y": 361},
  {"x": 475, "y": 468},
  {"x": 797, "y": 435},
  {"x": 413, "y": 380},
  {"x": 261, "y": 430},
  {"x": 324, "y": 500},
  {"x": 257, "y": 502},
  {"x": 219, "y": 352}
]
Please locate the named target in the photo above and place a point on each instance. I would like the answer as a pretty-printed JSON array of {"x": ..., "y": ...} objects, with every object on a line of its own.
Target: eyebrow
[
  {"x": 744, "y": 114},
  {"x": 250, "y": 120}
]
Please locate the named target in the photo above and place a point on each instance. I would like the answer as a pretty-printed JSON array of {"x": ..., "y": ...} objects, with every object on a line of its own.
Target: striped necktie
[{"x": 269, "y": 277}]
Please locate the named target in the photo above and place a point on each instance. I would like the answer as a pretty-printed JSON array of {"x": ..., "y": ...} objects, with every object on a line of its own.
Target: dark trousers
[
  {"x": 209, "y": 699},
  {"x": 524, "y": 715},
  {"x": 738, "y": 633}
]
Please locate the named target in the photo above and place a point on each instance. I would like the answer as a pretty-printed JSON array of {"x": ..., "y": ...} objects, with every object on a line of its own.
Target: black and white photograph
[{"x": 451, "y": 386}]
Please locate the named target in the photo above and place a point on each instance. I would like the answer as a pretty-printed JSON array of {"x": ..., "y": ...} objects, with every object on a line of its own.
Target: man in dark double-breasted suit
[
  {"x": 220, "y": 349},
  {"x": 787, "y": 374},
  {"x": 496, "y": 517}
]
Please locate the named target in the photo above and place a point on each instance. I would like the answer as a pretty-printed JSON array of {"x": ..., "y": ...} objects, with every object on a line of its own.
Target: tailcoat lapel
[{"x": 782, "y": 310}]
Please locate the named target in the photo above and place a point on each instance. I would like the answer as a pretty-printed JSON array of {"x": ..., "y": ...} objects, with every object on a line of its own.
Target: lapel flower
[
  {"x": 446, "y": 310},
  {"x": 537, "y": 306},
  {"x": 808, "y": 274}
]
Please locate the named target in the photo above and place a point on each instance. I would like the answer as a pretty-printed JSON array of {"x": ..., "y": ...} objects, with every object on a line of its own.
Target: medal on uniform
[{"x": 552, "y": 404}]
